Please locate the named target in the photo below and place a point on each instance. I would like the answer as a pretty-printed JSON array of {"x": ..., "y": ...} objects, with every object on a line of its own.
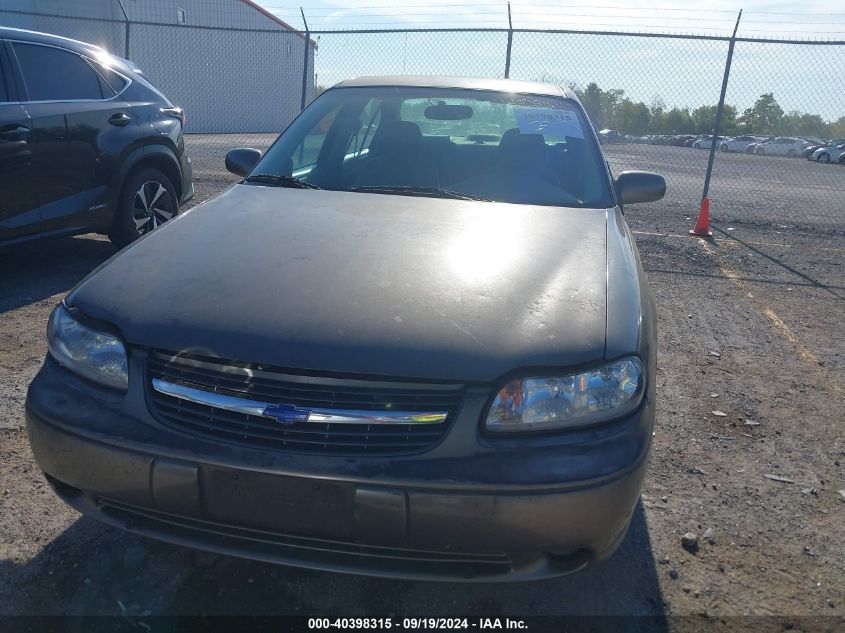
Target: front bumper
[{"x": 495, "y": 514}]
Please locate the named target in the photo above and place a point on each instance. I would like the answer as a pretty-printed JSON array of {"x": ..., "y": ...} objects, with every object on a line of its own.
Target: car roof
[
  {"x": 82, "y": 48},
  {"x": 467, "y": 83},
  {"x": 7, "y": 32}
]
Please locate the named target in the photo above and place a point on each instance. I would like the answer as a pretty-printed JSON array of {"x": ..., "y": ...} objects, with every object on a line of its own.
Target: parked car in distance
[
  {"x": 810, "y": 152},
  {"x": 387, "y": 350},
  {"x": 779, "y": 146},
  {"x": 611, "y": 137},
  {"x": 86, "y": 143},
  {"x": 681, "y": 139},
  {"x": 738, "y": 143},
  {"x": 749, "y": 149},
  {"x": 830, "y": 154},
  {"x": 706, "y": 142}
]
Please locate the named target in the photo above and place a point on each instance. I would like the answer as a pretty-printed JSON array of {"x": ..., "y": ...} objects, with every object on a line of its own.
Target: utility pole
[
  {"x": 720, "y": 110},
  {"x": 510, "y": 44},
  {"x": 126, "y": 38},
  {"x": 305, "y": 60}
]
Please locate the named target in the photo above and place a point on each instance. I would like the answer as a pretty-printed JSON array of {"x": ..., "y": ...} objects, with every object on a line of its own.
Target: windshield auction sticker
[{"x": 552, "y": 123}]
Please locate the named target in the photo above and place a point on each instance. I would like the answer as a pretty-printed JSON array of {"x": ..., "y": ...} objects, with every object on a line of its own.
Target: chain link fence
[{"x": 240, "y": 74}]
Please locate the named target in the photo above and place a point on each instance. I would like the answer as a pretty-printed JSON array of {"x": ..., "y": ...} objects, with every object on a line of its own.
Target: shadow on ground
[
  {"x": 95, "y": 569},
  {"x": 37, "y": 270}
]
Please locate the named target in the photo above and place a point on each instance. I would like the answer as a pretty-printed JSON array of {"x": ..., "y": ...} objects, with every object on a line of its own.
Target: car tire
[
  {"x": 759, "y": 151},
  {"x": 723, "y": 147},
  {"x": 696, "y": 145},
  {"x": 147, "y": 199},
  {"x": 824, "y": 157}
]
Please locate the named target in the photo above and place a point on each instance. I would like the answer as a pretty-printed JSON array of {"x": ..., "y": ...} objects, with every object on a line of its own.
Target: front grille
[{"x": 268, "y": 384}]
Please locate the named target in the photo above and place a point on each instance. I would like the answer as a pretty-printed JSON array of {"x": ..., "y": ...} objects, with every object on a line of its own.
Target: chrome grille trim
[
  {"x": 314, "y": 416},
  {"x": 364, "y": 410}
]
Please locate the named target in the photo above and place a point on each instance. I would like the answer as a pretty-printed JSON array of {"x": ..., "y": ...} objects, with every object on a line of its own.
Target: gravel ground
[{"x": 750, "y": 327}]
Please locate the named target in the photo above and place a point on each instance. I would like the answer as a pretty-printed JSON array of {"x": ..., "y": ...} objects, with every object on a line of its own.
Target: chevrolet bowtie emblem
[{"x": 286, "y": 413}]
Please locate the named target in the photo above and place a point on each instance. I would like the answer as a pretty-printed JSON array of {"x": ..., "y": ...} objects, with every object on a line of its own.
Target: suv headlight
[
  {"x": 97, "y": 356},
  {"x": 561, "y": 402}
]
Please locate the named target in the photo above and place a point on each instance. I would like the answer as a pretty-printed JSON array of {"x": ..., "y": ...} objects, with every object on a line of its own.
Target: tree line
[{"x": 612, "y": 109}]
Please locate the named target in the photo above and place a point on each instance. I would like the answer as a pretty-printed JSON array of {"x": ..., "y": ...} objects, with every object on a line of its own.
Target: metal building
[{"x": 223, "y": 61}]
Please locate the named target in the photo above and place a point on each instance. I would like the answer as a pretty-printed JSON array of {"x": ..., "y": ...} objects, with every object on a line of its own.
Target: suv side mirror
[
  {"x": 242, "y": 160},
  {"x": 640, "y": 186}
]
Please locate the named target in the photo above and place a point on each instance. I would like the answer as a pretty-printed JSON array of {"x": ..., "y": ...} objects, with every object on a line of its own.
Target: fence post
[
  {"x": 510, "y": 44},
  {"x": 719, "y": 110},
  {"x": 126, "y": 37},
  {"x": 305, "y": 60}
]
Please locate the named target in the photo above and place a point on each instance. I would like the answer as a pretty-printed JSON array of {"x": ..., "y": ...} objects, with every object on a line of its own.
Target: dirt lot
[{"x": 749, "y": 445}]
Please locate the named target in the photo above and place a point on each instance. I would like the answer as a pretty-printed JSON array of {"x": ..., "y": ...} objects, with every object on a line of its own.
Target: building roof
[
  {"x": 269, "y": 15},
  {"x": 275, "y": 18},
  {"x": 469, "y": 83}
]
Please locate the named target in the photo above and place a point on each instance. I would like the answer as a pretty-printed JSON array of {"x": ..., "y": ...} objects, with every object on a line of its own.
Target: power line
[
  {"x": 461, "y": 14},
  {"x": 411, "y": 25},
  {"x": 553, "y": 5},
  {"x": 367, "y": 19},
  {"x": 404, "y": 13},
  {"x": 355, "y": 16}
]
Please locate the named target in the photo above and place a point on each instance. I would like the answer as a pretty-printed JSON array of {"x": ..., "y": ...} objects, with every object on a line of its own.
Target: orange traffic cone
[{"x": 702, "y": 224}]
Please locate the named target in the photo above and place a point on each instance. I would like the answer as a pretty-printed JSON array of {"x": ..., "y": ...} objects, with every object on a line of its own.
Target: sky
[
  {"x": 761, "y": 18},
  {"x": 675, "y": 72}
]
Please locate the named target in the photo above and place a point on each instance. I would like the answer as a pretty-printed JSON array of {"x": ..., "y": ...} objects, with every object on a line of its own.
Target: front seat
[
  {"x": 521, "y": 175},
  {"x": 397, "y": 159},
  {"x": 525, "y": 153}
]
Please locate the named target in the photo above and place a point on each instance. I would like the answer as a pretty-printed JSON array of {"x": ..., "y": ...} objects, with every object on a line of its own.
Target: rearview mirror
[
  {"x": 640, "y": 186},
  {"x": 447, "y": 112},
  {"x": 242, "y": 160}
]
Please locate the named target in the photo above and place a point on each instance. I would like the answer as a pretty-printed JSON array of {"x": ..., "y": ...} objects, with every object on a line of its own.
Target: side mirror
[
  {"x": 242, "y": 160},
  {"x": 640, "y": 186}
]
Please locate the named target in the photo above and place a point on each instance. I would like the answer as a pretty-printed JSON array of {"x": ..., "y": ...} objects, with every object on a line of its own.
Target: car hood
[{"x": 364, "y": 283}]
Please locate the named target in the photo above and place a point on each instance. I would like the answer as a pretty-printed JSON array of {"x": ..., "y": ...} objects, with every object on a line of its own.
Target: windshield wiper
[
  {"x": 281, "y": 181},
  {"x": 409, "y": 190}
]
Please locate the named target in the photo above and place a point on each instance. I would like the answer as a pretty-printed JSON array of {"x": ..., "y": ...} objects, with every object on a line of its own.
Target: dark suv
[{"x": 86, "y": 143}]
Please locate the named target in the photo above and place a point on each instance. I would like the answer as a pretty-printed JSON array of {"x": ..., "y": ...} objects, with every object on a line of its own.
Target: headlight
[
  {"x": 560, "y": 402},
  {"x": 94, "y": 355}
]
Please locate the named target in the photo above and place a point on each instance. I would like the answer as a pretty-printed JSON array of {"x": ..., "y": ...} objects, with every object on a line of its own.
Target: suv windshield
[{"x": 455, "y": 143}]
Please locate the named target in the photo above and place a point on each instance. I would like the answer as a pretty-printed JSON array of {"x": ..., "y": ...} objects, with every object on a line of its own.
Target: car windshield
[{"x": 439, "y": 142}]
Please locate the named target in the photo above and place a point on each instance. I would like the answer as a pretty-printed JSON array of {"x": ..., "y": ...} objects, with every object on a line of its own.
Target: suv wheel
[
  {"x": 824, "y": 157},
  {"x": 723, "y": 147},
  {"x": 147, "y": 200}
]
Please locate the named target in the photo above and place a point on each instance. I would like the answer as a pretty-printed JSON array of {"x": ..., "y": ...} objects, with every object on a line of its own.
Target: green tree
[
  {"x": 704, "y": 118},
  {"x": 592, "y": 100},
  {"x": 658, "y": 105},
  {"x": 611, "y": 108},
  {"x": 631, "y": 117},
  {"x": 837, "y": 128},
  {"x": 610, "y": 100},
  {"x": 806, "y": 125},
  {"x": 676, "y": 121},
  {"x": 764, "y": 117}
]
